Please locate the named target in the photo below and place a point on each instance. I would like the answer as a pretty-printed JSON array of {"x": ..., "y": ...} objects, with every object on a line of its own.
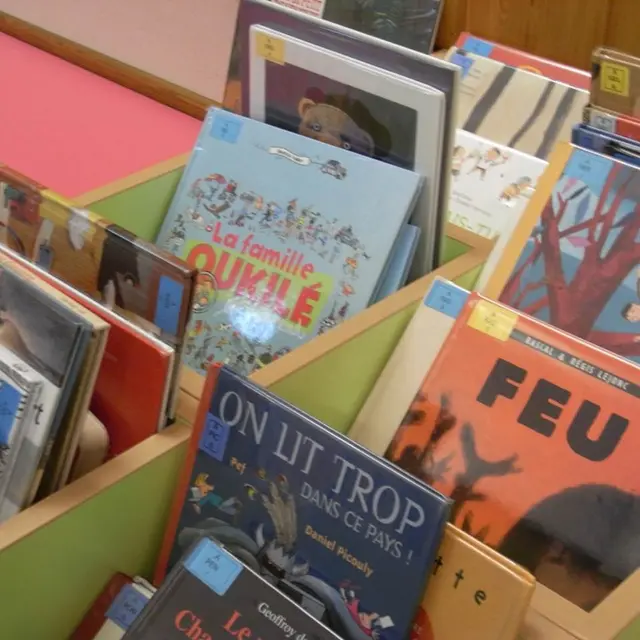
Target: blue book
[
  {"x": 315, "y": 514},
  {"x": 398, "y": 268},
  {"x": 608, "y": 144},
  {"x": 291, "y": 236}
]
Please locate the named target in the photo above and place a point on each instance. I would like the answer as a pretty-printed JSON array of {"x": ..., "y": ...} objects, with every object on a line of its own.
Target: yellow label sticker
[
  {"x": 614, "y": 79},
  {"x": 493, "y": 320},
  {"x": 270, "y": 48}
]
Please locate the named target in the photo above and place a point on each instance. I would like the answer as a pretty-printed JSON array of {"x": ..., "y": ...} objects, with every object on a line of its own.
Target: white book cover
[{"x": 400, "y": 380}]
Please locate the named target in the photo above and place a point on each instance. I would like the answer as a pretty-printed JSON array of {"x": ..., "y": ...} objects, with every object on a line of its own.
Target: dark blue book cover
[
  {"x": 609, "y": 144},
  {"x": 327, "y": 522}
]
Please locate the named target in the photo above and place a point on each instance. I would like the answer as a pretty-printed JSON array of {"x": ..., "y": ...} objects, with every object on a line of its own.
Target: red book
[
  {"x": 612, "y": 122},
  {"x": 528, "y": 62},
  {"x": 132, "y": 391}
]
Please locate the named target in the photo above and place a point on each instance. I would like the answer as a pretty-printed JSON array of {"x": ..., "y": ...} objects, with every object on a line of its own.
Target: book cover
[
  {"x": 515, "y": 108},
  {"x": 611, "y": 122},
  {"x": 526, "y": 61},
  {"x": 131, "y": 393},
  {"x": 615, "y": 82},
  {"x": 607, "y": 144},
  {"x": 400, "y": 264},
  {"x": 211, "y": 594},
  {"x": 280, "y": 227},
  {"x": 534, "y": 440},
  {"x": 474, "y": 593},
  {"x": 302, "y": 505},
  {"x": 573, "y": 260}
]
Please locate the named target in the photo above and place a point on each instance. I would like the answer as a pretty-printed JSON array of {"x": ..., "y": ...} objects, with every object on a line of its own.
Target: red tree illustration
[{"x": 575, "y": 305}]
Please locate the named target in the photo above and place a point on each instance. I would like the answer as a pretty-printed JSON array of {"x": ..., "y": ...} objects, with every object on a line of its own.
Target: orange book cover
[{"x": 532, "y": 433}]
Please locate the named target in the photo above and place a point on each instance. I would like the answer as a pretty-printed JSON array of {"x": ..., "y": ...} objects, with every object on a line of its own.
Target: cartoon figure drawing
[
  {"x": 459, "y": 156},
  {"x": 205, "y": 292},
  {"x": 521, "y": 187},
  {"x": 370, "y": 622},
  {"x": 201, "y": 495},
  {"x": 631, "y": 311},
  {"x": 335, "y": 169},
  {"x": 492, "y": 157}
]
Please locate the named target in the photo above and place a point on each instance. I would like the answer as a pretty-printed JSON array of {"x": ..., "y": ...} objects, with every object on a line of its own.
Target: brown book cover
[{"x": 615, "y": 81}]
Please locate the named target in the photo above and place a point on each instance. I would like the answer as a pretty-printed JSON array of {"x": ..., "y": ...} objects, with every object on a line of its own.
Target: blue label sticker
[
  {"x": 9, "y": 402},
  {"x": 127, "y": 606},
  {"x": 214, "y": 437},
  {"x": 446, "y": 298},
  {"x": 464, "y": 62},
  {"x": 168, "y": 305},
  {"x": 477, "y": 46},
  {"x": 226, "y": 128},
  {"x": 217, "y": 568}
]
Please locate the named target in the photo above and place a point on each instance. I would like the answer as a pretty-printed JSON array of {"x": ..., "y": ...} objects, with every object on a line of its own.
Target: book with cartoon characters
[
  {"x": 291, "y": 237},
  {"x": 330, "y": 524},
  {"x": 535, "y": 440},
  {"x": 573, "y": 260},
  {"x": 491, "y": 186}
]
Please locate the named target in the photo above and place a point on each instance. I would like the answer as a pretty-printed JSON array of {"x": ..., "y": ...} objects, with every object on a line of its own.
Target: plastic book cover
[
  {"x": 526, "y": 61},
  {"x": 410, "y": 25},
  {"x": 307, "y": 509},
  {"x": 611, "y": 123},
  {"x": 281, "y": 228},
  {"x": 398, "y": 268},
  {"x": 607, "y": 144},
  {"x": 515, "y": 108},
  {"x": 418, "y": 68},
  {"x": 533, "y": 438},
  {"x": 131, "y": 393},
  {"x": 474, "y": 593},
  {"x": 615, "y": 82},
  {"x": 53, "y": 340},
  {"x": 211, "y": 594},
  {"x": 573, "y": 260}
]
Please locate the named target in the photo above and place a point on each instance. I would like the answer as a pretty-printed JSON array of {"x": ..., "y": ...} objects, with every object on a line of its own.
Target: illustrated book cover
[
  {"x": 419, "y": 68},
  {"x": 291, "y": 237},
  {"x": 131, "y": 393},
  {"x": 573, "y": 259},
  {"x": 400, "y": 380},
  {"x": 344, "y": 102},
  {"x": 526, "y": 61},
  {"x": 615, "y": 82},
  {"x": 607, "y": 144},
  {"x": 491, "y": 186},
  {"x": 307, "y": 509},
  {"x": 534, "y": 441},
  {"x": 474, "y": 593},
  {"x": 513, "y": 107},
  {"x": 211, "y": 593},
  {"x": 53, "y": 340},
  {"x": 410, "y": 25},
  {"x": 611, "y": 122},
  {"x": 400, "y": 263}
]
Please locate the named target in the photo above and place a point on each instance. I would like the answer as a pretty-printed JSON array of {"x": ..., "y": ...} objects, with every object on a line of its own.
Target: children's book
[
  {"x": 491, "y": 186},
  {"x": 611, "y": 122},
  {"x": 615, "y": 82},
  {"x": 573, "y": 259},
  {"x": 212, "y": 594},
  {"x": 526, "y": 61},
  {"x": 307, "y": 508},
  {"x": 513, "y": 107},
  {"x": 607, "y": 144},
  {"x": 131, "y": 394},
  {"x": 474, "y": 593},
  {"x": 410, "y": 25},
  {"x": 400, "y": 264},
  {"x": 377, "y": 117},
  {"x": 291, "y": 236},
  {"x": 534, "y": 439}
]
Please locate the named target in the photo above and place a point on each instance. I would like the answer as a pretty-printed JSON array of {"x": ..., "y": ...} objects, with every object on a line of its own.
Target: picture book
[
  {"x": 611, "y": 122},
  {"x": 607, "y": 144},
  {"x": 281, "y": 228},
  {"x": 92, "y": 449},
  {"x": 533, "y": 439},
  {"x": 131, "y": 393},
  {"x": 410, "y": 25},
  {"x": 615, "y": 82},
  {"x": 212, "y": 593},
  {"x": 526, "y": 61},
  {"x": 419, "y": 68},
  {"x": 342, "y": 101},
  {"x": 400, "y": 263},
  {"x": 395, "y": 388},
  {"x": 307, "y": 508},
  {"x": 474, "y": 593},
  {"x": 513, "y": 107},
  {"x": 573, "y": 259},
  {"x": 53, "y": 340},
  {"x": 491, "y": 186}
]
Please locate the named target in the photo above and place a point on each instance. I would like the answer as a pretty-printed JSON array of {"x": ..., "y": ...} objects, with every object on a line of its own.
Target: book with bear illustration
[
  {"x": 291, "y": 237},
  {"x": 299, "y": 503},
  {"x": 534, "y": 439}
]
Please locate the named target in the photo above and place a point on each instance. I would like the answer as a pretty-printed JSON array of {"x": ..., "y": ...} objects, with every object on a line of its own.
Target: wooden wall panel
[{"x": 563, "y": 30}]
